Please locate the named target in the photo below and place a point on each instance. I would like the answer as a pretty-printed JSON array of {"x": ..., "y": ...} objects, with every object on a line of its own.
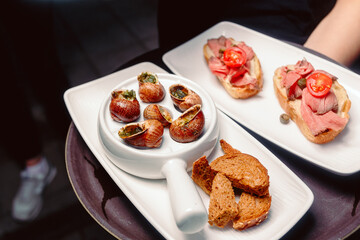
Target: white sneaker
[{"x": 28, "y": 200}]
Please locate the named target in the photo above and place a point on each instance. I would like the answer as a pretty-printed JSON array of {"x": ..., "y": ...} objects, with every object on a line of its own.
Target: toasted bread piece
[
  {"x": 244, "y": 171},
  {"x": 292, "y": 108},
  {"x": 223, "y": 207},
  {"x": 227, "y": 148},
  {"x": 202, "y": 174},
  {"x": 239, "y": 92},
  {"x": 252, "y": 210}
]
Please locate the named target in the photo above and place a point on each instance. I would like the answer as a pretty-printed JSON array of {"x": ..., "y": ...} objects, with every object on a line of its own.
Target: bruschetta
[
  {"x": 314, "y": 100},
  {"x": 236, "y": 66}
]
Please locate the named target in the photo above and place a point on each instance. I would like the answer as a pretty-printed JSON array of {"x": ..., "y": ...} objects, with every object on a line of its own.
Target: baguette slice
[
  {"x": 292, "y": 108},
  {"x": 252, "y": 210},
  {"x": 239, "y": 92},
  {"x": 223, "y": 207}
]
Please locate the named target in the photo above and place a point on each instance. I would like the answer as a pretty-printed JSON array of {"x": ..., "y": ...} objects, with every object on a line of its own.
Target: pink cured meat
[
  {"x": 239, "y": 76},
  {"x": 319, "y": 123},
  {"x": 246, "y": 79},
  {"x": 289, "y": 82},
  {"x": 321, "y": 105},
  {"x": 218, "y": 68},
  {"x": 290, "y": 79},
  {"x": 303, "y": 68},
  {"x": 248, "y": 50},
  {"x": 215, "y": 44}
]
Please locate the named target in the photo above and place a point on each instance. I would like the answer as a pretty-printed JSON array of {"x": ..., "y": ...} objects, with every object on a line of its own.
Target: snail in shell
[
  {"x": 158, "y": 112},
  {"x": 143, "y": 134},
  {"x": 124, "y": 107},
  {"x": 150, "y": 89},
  {"x": 188, "y": 126},
  {"x": 183, "y": 97}
]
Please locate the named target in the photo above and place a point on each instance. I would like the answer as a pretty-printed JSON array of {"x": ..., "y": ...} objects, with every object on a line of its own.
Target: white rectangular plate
[
  {"x": 291, "y": 198},
  {"x": 261, "y": 113}
]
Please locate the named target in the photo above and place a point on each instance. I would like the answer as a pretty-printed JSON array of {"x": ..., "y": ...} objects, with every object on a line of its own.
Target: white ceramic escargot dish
[{"x": 171, "y": 159}]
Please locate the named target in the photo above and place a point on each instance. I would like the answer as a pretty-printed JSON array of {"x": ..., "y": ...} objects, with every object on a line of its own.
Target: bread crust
[
  {"x": 292, "y": 108},
  {"x": 239, "y": 92}
]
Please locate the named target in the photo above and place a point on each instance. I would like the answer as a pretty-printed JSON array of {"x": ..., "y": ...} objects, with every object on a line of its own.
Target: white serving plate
[
  {"x": 261, "y": 113},
  {"x": 291, "y": 198}
]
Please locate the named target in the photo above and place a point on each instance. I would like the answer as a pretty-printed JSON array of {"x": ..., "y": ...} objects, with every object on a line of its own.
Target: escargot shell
[
  {"x": 188, "y": 126},
  {"x": 124, "y": 107},
  {"x": 183, "y": 97},
  {"x": 150, "y": 89},
  {"x": 143, "y": 134},
  {"x": 158, "y": 112}
]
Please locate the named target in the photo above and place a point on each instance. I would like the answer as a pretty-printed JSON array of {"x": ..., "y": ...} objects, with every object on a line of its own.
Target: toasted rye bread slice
[
  {"x": 244, "y": 171},
  {"x": 292, "y": 108},
  {"x": 223, "y": 207},
  {"x": 252, "y": 211},
  {"x": 202, "y": 174},
  {"x": 239, "y": 92},
  {"x": 227, "y": 148}
]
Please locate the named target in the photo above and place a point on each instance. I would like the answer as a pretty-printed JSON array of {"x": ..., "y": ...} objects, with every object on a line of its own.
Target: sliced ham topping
[
  {"x": 303, "y": 68},
  {"x": 217, "y": 44},
  {"x": 218, "y": 68},
  {"x": 290, "y": 79},
  {"x": 297, "y": 91},
  {"x": 248, "y": 50},
  {"x": 319, "y": 123},
  {"x": 321, "y": 105},
  {"x": 222, "y": 41},
  {"x": 228, "y": 43},
  {"x": 283, "y": 72},
  {"x": 214, "y": 46},
  {"x": 289, "y": 82},
  {"x": 238, "y": 72},
  {"x": 246, "y": 79},
  {"x": 239, "y": 76}
]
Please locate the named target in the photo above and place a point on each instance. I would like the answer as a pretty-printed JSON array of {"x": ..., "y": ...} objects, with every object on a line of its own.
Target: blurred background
[{"x": 94, "y": 37}]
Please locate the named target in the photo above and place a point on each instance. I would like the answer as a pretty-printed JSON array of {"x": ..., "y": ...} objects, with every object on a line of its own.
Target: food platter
[
  {"x": 261, "y": 113},
  {"x": 291, "y": 197}
]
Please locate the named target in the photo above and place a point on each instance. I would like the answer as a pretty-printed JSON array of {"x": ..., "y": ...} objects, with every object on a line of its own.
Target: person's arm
[{"x": 338, "y": 34}]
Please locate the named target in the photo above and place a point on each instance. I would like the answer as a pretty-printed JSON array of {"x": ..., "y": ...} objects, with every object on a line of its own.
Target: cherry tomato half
[
  {"x": 318, "y": 84},
  {"x": 234, "y": 57}
]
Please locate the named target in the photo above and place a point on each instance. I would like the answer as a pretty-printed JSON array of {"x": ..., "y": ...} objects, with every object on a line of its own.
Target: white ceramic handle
[{"x": 188, "y": 209}]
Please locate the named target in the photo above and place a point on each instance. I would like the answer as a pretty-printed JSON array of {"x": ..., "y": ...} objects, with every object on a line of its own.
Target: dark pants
[{"x": 29, "y": 67}]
